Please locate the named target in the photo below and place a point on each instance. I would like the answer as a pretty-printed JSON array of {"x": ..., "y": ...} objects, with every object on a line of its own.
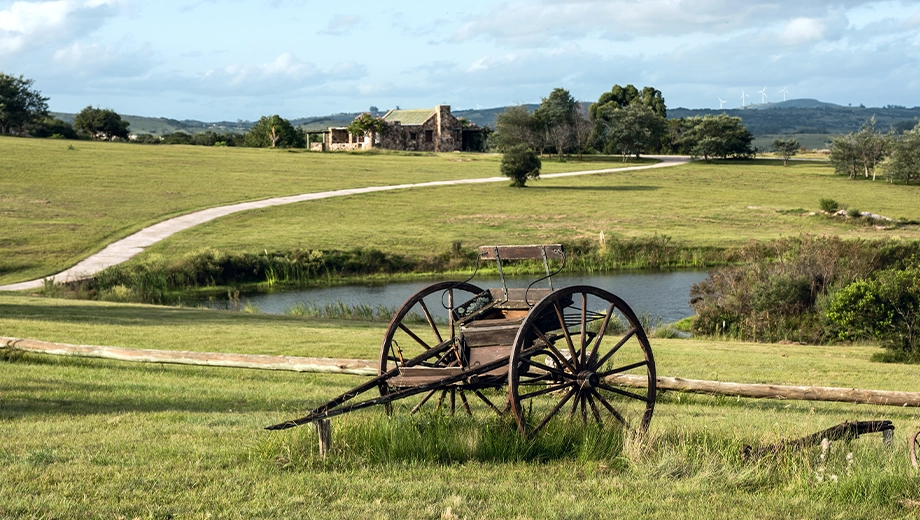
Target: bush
[
  {"x": 829, "y": 205},
  {"x": 886, "y": 308},
  {"x": 853, "y": 212},
  {"x": 520, "y": 163},
  {"x": 779, "y": 292}
]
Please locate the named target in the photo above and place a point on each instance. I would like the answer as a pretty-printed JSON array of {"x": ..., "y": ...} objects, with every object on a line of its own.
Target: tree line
[
  {"x": 624, "y": 121},
  {"x": 24, "y": 111}
]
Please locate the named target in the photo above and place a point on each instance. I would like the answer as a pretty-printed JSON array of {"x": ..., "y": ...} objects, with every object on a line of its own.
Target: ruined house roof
[{"x": 416, "y": 116}]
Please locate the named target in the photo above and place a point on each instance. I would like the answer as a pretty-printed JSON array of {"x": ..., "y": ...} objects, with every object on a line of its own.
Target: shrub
[
  {"x": 886, "y": 308},
  {"x": 853, "y": 212},
  {"x": 520, "y": 163},
  {"x": 829, "y": 205}
]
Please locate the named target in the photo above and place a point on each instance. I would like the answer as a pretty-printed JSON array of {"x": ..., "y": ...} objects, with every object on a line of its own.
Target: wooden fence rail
[{"x": 369, "y": 368}]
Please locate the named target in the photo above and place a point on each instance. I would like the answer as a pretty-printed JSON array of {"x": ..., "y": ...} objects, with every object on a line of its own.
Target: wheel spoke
[
  {"x": 486, "y": 400},
  {"x": 551, "y": 370},
  {"x": 565, "y": 332},
  {"x": 597, "y": 414},
  {"x": 423, "y": 401},
  {"x": 413, "y": 336},
  {"x": 584, "y": 329},
  {"x": 616, "y": 347},
  {"x": 610, "y": 408},
  {"x": 441, "y": 399},
  {"x": 543, "y": 391},
  {"x": 575, "y": 404},
  {"x": 624, "y": 393},
  {"x": 552, "y": 347},
  {"x": 623, "y": 369},
  {"x": 466, "y": 404},
  {"x": 554, "y": 411},
  {"x": 434, "y": 328},
  {"x": 600, "y": 335}
]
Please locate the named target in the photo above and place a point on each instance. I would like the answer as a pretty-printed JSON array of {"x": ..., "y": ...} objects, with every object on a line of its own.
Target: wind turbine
[
  {"x": 721, "y": 103},
  {"x": 784, "y": 91},
  {"x": 743, "y": 95},
  {"x": 763, "y": 95}
]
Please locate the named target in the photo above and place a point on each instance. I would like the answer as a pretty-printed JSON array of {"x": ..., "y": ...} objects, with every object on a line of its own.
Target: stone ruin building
[{"x": 423, "y": 129}]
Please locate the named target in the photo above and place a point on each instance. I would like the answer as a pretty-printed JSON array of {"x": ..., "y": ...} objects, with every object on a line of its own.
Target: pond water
[{"x": 664, "y": 294}]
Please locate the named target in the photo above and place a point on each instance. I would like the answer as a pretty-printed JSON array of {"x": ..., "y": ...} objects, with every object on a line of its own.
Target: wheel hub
[{"x": 588, "y": 379}]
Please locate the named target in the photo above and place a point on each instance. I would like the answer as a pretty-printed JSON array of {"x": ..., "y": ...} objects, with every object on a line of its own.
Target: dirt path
[{"x": 126, "y": 248}]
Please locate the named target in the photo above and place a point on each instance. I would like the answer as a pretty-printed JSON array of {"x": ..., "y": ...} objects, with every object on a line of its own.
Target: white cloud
[
  {"x": 803, "y": 30},
  {"x": 27, "y": 26}
]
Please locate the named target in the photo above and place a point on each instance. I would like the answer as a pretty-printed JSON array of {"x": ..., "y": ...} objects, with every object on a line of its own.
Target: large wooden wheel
[
  {"x": 566, "y": 359},
  {"x": 426, "y": 323}
]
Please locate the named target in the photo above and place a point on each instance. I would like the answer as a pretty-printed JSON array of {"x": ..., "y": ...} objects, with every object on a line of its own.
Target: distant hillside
[
  {"x": 808, "y": 116},
  {"x": 795, "y": 116},
  {"x": 162, "y": 125}
]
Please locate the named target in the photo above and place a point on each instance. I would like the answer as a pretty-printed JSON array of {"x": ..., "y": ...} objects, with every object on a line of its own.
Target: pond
[{"x": 664, "y": 294}]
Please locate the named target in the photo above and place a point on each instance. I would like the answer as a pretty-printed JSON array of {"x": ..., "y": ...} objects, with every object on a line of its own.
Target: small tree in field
[
  {"x": 520, "y": 163},
  {"x": 785, "y": 148},
  {"x": 101, "y": 123}
]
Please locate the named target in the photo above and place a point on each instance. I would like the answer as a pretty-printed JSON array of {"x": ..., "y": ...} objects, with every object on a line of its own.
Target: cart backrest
[
  {"x": 532, "y": 252},
  {"x": 545, "y": 252}
]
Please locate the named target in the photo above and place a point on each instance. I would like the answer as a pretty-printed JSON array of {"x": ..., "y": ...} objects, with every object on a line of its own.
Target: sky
[{"x": 224, "y": 60}]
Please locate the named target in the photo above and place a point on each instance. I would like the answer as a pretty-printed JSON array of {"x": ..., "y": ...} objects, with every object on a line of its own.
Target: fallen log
[
  {"x": 843, "y": 431},
  {"x": 184, "y": 357},
  {"x": 768, "y": 391}
]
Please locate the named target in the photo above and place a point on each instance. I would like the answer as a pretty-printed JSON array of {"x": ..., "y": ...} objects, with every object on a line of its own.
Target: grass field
[
  {"x": 94, "y": 438},
  {"x": 698, "y": 205},
  {"x": 58, "y": 205}
]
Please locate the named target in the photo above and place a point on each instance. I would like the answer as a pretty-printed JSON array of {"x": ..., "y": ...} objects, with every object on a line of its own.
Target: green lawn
[
  {"x": 95, "y": 438},
  {"x": 58, "y": 205},
  {"x": 698, "y": 205}
]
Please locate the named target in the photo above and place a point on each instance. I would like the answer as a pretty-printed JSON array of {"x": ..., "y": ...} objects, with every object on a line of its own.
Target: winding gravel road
[{"x": 124, "y": 249}]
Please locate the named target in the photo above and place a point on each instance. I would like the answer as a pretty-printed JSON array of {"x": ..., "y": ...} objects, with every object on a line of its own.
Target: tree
[
  {"x": 582, "y": 128},
  {"x": 19, "y": 104},
  {"x": 904, "y": 162},
  {"x": 52, "y": 127},
  {"x": 275, "y": 131},
  {"x": 717, "y": 136},
  {"x": 369, "y": 125},
  {"x": 520, "y": 163},
  {"x": 638, "y": 130},
  {"x": 635, "y": 129},
  {"x": 786, "y": 148},
  {"x": 623, "y": 97},
  {"x": 861, "y": 151},
  {"x": 556, "y": 116},
  {"x": 517, "y": 126},
  {"x": 103, "y": 124}
]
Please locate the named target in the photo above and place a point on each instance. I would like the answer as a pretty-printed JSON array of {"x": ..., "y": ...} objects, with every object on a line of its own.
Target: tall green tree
[
  {"x": 623, "y": 97},
  {"x": 556, "y": 116},
  {"x": 20, "y": 104},
  {"x": 635, "y": 129},
  {"x": 717, "y": 136},
  {"x": 275, "y": 131},
  {"x": 101, "y": 123},
  {"x": 904, "y": 162},
  {"x": 859, "y": 153},
  {"x": 516, "y": 125}
]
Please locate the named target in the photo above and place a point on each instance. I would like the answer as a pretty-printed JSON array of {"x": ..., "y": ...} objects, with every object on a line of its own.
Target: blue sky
[{"x": 226, "y": 60}]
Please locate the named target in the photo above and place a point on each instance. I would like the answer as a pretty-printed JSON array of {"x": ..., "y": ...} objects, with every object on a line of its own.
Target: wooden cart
[{"x": 456, "y": 345}]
